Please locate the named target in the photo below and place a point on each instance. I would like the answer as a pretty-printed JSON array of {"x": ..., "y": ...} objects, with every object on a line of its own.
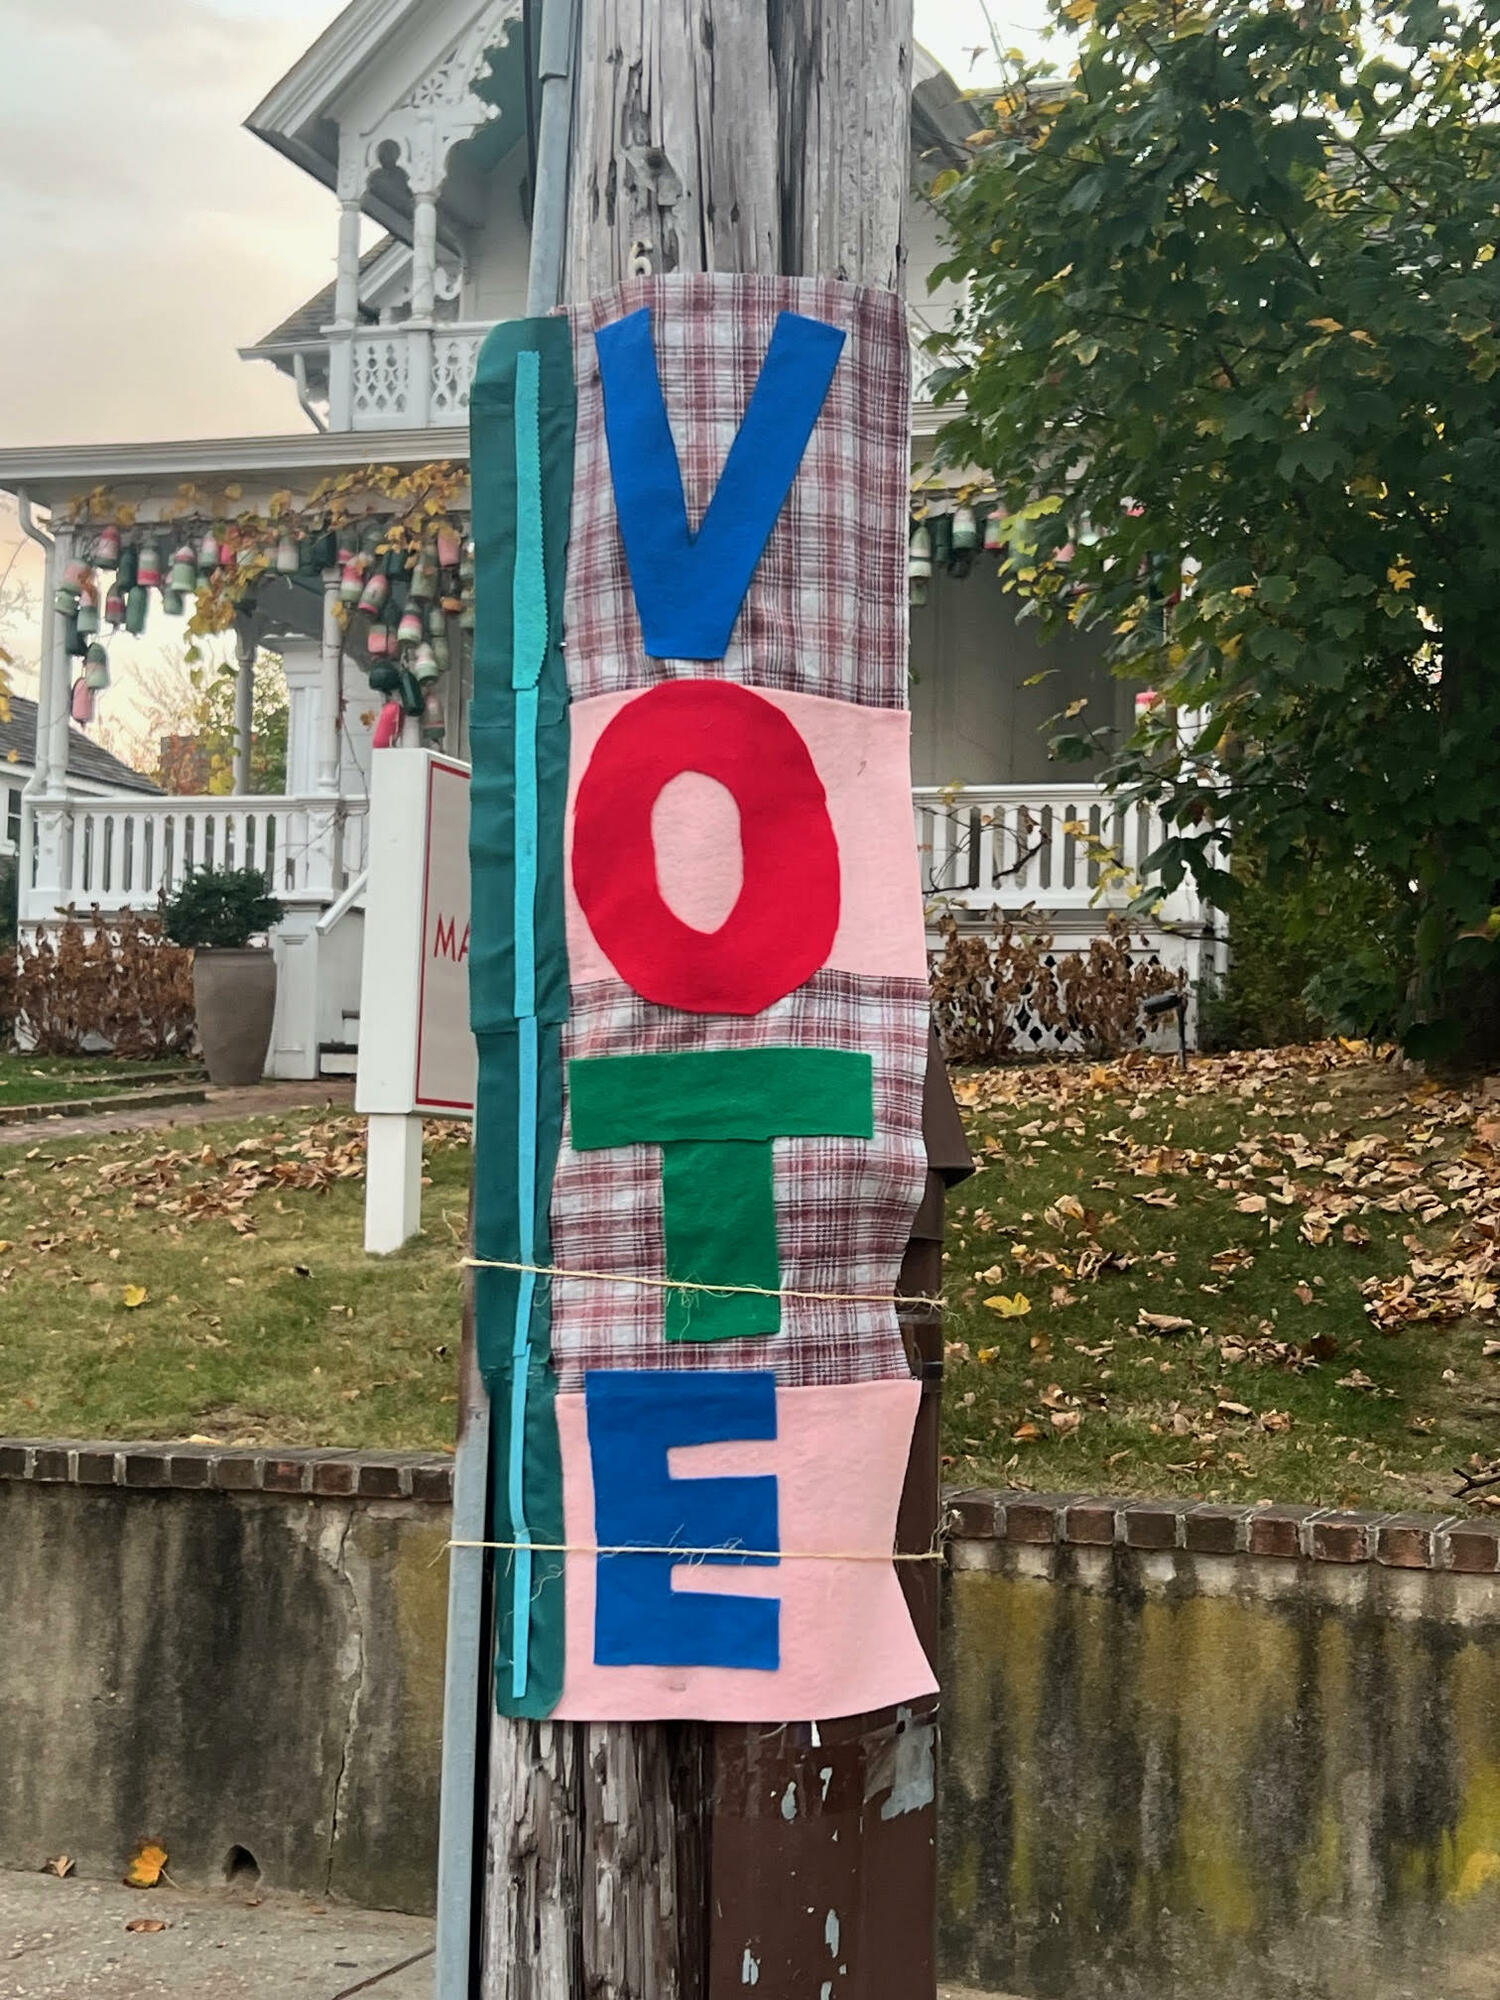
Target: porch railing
[
  {"x": 127, "y": 851},
  {"x": 1061, "y": 847},
  {"x": 402, "y": 377}
]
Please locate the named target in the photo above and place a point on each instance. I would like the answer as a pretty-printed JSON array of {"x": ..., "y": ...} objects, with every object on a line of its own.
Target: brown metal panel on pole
[{"x": 693, "y": 1861}]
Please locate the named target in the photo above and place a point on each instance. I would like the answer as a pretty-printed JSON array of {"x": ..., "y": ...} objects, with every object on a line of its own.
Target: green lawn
[
  {"x": 1156, "y": 1284},
  {"x": 66, "y": 1079},
  {"x": 211, "y": 1283}
]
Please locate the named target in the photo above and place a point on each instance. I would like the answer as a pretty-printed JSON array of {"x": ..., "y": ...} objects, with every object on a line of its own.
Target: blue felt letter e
[{"x": 635, "y": 1418}]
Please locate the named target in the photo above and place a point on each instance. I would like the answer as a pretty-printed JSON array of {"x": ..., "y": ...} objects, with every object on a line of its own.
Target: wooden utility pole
[{"x": 761, "y": 136}]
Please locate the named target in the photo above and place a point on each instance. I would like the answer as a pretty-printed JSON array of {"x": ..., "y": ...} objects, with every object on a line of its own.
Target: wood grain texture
[
  {"x": 741, "y": 135},
  {"x": 711, "y": 135}
]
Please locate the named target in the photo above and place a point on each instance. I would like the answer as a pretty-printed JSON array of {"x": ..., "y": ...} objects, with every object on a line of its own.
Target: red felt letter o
[{"x": 782, "y": 927}]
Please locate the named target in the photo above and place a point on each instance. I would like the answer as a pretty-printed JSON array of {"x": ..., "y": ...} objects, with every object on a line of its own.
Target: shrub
[
  {"x": 1005, "y": 994},
  {"x": 221, "y": 908},
  {"x": 1316, "y": 949},
  {"x": 112, "y": 981}
]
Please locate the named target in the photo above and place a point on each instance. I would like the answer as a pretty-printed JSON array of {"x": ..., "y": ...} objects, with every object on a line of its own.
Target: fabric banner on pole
[{"x": 700, "y": 998}]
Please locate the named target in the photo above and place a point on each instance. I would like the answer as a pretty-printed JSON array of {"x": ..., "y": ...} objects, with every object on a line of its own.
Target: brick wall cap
[
  {"x": 1262, "y": 1530},
  {"x": 142, "y": 1465}
]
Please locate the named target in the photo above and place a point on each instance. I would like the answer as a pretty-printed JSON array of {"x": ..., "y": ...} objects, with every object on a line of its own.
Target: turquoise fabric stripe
[{"x": 529, "y": 629}]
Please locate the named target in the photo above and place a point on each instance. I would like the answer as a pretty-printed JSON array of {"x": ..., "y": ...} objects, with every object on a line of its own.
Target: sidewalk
[
  {"x": 68, "y": 1941},
  {"x": 261, "y": 1100}
]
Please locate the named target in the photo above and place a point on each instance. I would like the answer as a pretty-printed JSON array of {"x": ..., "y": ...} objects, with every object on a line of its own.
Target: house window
[{"x": 13, "y": 816}]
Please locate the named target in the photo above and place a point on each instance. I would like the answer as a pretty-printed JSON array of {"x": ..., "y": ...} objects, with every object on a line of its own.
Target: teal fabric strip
[
  {"x": 529, "y": 647},
  {"x": 522, "y": 414}
]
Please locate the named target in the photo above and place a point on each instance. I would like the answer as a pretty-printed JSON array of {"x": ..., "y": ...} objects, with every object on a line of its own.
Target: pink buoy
[
  {"x": 388, "y": 726},
  {"x": 83, "y": 701}
]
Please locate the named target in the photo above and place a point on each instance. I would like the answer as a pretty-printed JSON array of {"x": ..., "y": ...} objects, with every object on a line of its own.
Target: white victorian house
[{"x": 414, "y": 115}]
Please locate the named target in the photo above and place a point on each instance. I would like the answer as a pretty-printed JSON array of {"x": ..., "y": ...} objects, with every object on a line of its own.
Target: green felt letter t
[{"x": 714, "y": 1115}]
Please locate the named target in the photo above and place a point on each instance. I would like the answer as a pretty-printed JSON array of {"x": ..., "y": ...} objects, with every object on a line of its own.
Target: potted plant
[{"x": 216, "y": 913}]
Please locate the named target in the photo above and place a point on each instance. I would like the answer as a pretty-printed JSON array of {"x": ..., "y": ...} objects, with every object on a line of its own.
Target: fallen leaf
[
  {"x": 1026, "y": 1434},
  {"x": 1065, "y": 1422},
  {"x": 1304, "y": 1292},
  {"x": 1239, "y": 1410},
  {"x": 133, "y": 1296},
  {"x": 1012, "y": 1308},
  {"x": 146, "y": 1867},
  {"x": 148, "y": 1924},
  {"x": 60, "y": 1865},
  {"x": 1491, "y": 1350},
  {"x": 989, "y": 1354},
  {"x": 1163, "y": 1322},
  {"x": 1358, "y": 1379},
  {"x": 1156, "y": 1198},
  {"x": 1251, "y": 1204},
  {"x": 1276, "y": 1420}
]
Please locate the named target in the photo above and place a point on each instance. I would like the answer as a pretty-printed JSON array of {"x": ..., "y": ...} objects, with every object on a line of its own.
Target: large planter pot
[{"x": 235, "y": 995}]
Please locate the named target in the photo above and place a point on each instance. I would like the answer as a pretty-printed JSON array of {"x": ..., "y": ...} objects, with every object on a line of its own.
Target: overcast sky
[{"x": 145, "y": 236}]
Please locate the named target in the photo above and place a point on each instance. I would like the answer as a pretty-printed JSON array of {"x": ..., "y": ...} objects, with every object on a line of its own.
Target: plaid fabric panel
[
  {"x": 844, "y": 1207},
  {"x": 827, "y": 611}
]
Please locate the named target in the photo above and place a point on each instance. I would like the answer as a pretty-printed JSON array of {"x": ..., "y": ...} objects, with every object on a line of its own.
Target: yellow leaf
[
  {"x": 1013, "y": 1308},
  {"x": 987, "y": 1355},
  {"x": 1399, "y": 576},
  {"x": 1327, "y": 325},
  {"x": 1026, "y": 1434},
  {"x": 146, "y": 1867},
  {"x": 133, "y": 1296}
]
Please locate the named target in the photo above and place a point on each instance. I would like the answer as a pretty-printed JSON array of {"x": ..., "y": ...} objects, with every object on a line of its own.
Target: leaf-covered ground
[
  {"x": 211, "y": 1283},
  {"x": 1272, "y": 1278}
]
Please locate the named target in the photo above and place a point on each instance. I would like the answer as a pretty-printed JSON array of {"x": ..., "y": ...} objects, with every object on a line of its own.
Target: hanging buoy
[
  {"x": 409, "y": 631},
  {"x": 107, "y": 548},
  {"x": 208, "y": 554},
  {"x": 425, "y": 664},
  {"x": 440, "y": 651},
  {"x": 96, "y": 668},
  {"x": 388, "y": 726},
  {"x": 466, "y": 566},
  {"x": 127, "y": 573},
  {"x": 424, "y": 578},
  {"x": 994, "y": 532},
  {"x": 376, "y": 590},
  {"x": 378, "y": 641},
  {"x": 183, "y": 575},
  {"x": 88, "y": 617},
  {"x": 450, "y": 546},
  {"x": 384, "y": 679},
  {"x": 81, "y": 705},
  {"x": 433, "y": 720},
  {"x": 65, "y": 599},
  {"x": 137, "y": 603},
  {"x": 288, "y": 555},
  {"x": 411, "y": 693},
  {"x": 965, "y": 530},
  {"x": 173, "y": 602},
  {"x": 352, "y": 582},
  {"x": 114, "y": 605},
  {"x": 919, "y": 555},
  {"x": 148, "y": 566}
]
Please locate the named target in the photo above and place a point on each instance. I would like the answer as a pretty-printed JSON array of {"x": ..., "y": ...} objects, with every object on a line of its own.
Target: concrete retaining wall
[
  {"x": 1220, "y": 1754},
  {"x": 199, "y": 1649},
  {"x": 1189, "y": 1753}
]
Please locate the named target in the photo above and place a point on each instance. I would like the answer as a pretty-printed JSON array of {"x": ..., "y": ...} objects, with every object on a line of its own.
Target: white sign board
[{"x": 416, "y": 1053}]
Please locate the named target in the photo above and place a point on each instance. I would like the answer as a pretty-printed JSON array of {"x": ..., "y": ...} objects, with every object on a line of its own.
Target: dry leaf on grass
[
  {"x": 1009, "y": 1308},
  {"x": 133, "y": 1296},
  {"x": 60, "y": 1865},
  {"x": 148, "y": 1924},
  {"x": 1150, "y": 1322}
]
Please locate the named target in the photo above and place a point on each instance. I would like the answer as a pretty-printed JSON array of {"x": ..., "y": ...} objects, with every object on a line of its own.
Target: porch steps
[{"x": 341, "y": 1058}]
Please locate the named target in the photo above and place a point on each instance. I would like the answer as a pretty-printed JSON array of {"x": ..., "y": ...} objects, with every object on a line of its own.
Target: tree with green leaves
[{"x": 1231, "y": 355}]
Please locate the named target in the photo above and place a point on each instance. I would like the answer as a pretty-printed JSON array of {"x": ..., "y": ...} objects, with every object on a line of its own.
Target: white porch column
[
  {"x": 330, "y": 660},
  {"x": 302, "y": 659},
  {"x": 423, "y": 252},
  {"x": 44, "y": 827},
  {"x": 244, "y": 712},
  {"x": 345, "y": 306},
  {"x": 346, "y": 286}
]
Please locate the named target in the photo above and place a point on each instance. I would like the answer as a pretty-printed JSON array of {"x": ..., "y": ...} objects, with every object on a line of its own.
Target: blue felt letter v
[{"x": 689, "y": 587}]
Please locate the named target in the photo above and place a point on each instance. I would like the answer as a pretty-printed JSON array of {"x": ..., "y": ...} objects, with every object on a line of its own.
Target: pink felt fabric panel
[
  {"x": 847, "y": 1640},
  {"x": 862, "y": 756}
]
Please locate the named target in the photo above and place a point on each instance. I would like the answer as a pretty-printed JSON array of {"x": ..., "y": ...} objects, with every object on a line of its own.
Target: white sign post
[{"x": 416, "y": 1052}]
